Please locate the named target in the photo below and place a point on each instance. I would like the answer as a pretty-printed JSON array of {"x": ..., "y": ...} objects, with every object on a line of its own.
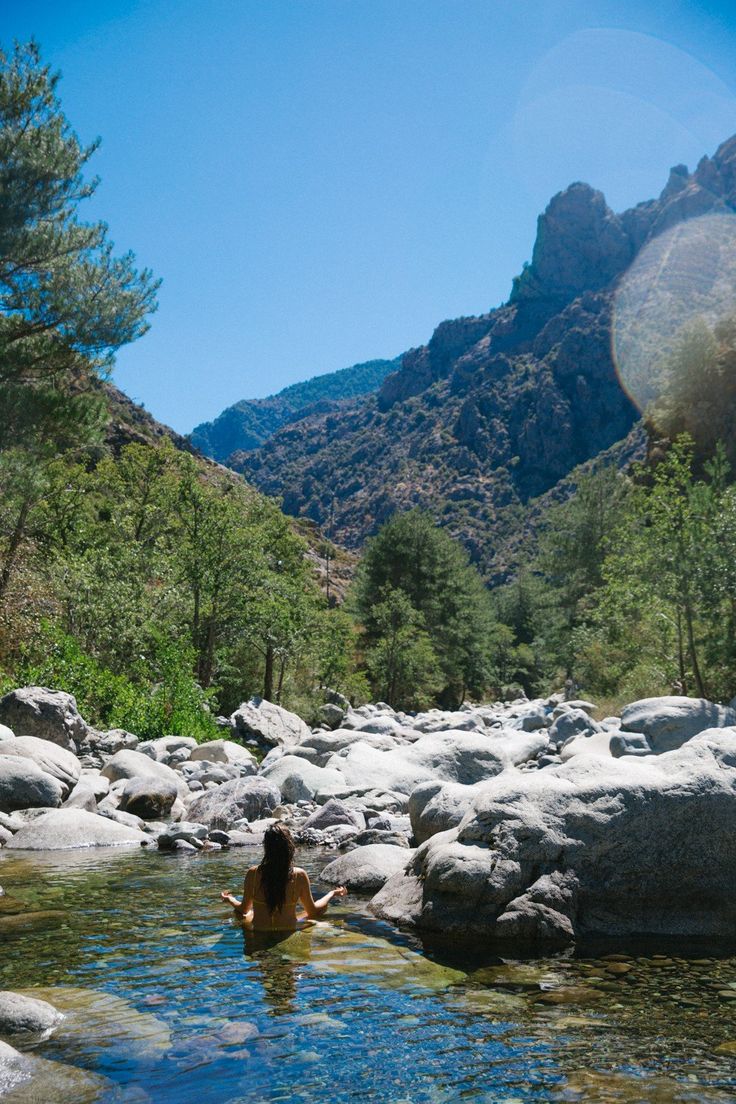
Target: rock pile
[{"x": 526, "y": 820}]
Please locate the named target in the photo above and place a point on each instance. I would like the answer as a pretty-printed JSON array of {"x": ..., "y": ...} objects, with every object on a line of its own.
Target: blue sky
[{"x": 320, "y": 182}]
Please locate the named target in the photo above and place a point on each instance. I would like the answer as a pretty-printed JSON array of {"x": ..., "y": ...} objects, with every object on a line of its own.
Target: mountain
[
  {"x": 497, "y": 409},
  {"x": 249, "y": 423},
  {"x": 128, "y": 423}
]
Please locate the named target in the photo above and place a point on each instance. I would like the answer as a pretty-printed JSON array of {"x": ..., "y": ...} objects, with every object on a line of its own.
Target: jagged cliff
[{"x": 497, "y": 409}]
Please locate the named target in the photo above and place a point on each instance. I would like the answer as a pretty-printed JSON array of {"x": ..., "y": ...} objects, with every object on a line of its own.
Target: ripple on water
[{"x": 166, "y": 999}]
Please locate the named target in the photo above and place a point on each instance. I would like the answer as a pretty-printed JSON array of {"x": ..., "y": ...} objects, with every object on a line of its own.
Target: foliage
[
  {"x": 411, "y": 555},
  {"x": 697, "y": 383},
  {"x": 161, "y": 697},
  {"x": 67, "y": 303},
  {"x": 402, "y": 663}
]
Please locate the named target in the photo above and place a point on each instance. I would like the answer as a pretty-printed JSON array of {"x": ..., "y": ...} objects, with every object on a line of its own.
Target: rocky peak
[{"x": 581, "y": 245}]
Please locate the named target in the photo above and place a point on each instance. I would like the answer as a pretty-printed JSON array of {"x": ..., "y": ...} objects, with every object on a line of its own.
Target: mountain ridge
[
  {"x": 247, "y": 424},
  {"x": 496, "y": 409}
]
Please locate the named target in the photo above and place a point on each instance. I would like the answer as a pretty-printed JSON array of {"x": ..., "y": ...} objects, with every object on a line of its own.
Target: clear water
[{"x": 167, "y": 1001}]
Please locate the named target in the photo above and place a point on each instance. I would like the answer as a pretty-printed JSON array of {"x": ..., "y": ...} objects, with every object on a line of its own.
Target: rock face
[
  {"x": 595, "y": 846},
  {"x": 581, "y": 245},
  {"x": 47, "y": 714},
  {"x": 241, "y": 799},
  {"x": 268, "y": 724},
  {"x": 23, "y": 785},
  {"x": 367, "y": 869},
  {"x": 66, "y": 829}
]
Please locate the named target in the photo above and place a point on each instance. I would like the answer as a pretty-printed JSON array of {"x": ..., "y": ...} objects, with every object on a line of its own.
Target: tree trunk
[
  {"x": 691, "y": 648},
  {"x": 681, "y": 653},
  {"x": 282, "y": 672},
  {"x": 268, "y": 674},
  {"x": 14, "y": 544}
]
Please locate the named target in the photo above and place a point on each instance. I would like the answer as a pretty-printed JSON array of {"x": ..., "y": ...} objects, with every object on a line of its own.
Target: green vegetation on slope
[{"x": 142, "y": 580}]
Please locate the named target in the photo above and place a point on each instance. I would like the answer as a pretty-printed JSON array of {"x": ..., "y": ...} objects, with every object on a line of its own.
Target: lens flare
[{"x": 684, "y": 276}]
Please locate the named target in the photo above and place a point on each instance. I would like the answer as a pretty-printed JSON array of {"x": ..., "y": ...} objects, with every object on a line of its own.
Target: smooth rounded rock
[
  {"x": 23, "y": 785},
  {"x": 148, "y": 798},
  {"x": 51, "y": 758},
  {"x": 366, "y": 869},
  {"x": 20, "y": 1014},
  {"x": 134, "y": 764},
  {"x": 66, "y": 829},
  {"x": 227, "y": 752},
  {"x": 243, "y": 798}
]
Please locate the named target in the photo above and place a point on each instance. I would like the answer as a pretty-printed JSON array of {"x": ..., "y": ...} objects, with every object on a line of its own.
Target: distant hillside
[
  {"x": 496, "y": 410},
  {"x": 249, "y": 423}
]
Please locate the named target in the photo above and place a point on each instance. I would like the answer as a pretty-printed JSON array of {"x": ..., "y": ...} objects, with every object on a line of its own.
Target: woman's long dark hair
[{"x": 276, "y": 866}]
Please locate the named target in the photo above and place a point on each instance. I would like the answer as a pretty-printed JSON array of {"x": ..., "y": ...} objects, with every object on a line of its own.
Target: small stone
[{"x": 573, "y": 994}]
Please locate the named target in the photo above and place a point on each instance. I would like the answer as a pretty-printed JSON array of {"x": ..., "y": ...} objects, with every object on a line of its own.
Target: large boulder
[
  {"x": 326, "y": 744},
  {"x": 596, "y": 846},
  {"x": 241, "y": 799},
  {"x": 134, "y": 764},
  {"x": 436, "y": 806},
  {"x": 366, "y": 869},
  {"x": 112, "y": 741},
  {"x": 334, "y": 812},
  {"x": 268, "y": 724},
  {"x": 52, "y": 759},
  {"x": 669, "y": 722},
  {"x": 23, "y": 785},
  {"x": 148, "y": 798},
  {"x": 227, "y": 752},
  {"x": 47, "y": 714},
  {"x": 65, "y": 829},
  {"x": 165, "y": 746},
  {"x": 465, "y": 757},
  {"x": 300, "y": 780},
  {"x": 20, "y": 1014}
]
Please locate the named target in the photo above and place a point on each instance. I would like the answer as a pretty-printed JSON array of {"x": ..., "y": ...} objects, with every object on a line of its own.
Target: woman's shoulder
[{"x": 299, "y": 872}]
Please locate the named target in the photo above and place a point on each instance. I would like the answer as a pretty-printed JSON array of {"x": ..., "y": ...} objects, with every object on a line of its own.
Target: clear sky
[{"x": 320, "y": 182}]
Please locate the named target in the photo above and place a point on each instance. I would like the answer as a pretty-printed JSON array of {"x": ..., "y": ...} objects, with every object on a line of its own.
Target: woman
[{"x": 273, "y": 889}]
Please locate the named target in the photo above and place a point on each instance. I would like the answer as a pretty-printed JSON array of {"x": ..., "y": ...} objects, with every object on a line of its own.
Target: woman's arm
[
  {"x": 315, "y": 909},
  {"x": 244, "y": 908}
]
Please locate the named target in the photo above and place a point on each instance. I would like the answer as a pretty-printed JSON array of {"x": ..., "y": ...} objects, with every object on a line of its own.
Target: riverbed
[{"x": 166, "y": 999}]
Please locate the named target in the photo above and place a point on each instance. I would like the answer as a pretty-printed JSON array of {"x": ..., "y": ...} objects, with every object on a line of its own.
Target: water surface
[{"x": 166, "y": 998}]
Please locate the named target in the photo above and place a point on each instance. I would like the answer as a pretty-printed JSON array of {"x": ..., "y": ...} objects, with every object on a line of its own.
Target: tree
[
  {"x": 401, "y": 661},
  {"x": 697, "y": 382},
  {"x": 412, "y": 555},
  {"x": 66, "y": 302}
]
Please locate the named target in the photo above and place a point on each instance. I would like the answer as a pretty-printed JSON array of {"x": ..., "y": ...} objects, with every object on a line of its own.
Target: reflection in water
[
  {"x": 161, "y": 991},
  {"x": 278, "y": 972}
]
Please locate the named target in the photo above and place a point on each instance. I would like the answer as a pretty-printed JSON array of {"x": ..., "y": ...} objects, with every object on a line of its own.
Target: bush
[{"x": 163, "y": 699}]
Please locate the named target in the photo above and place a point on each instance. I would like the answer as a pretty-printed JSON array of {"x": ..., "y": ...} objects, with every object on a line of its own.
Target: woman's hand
[{"x": 340, "y": 891}]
